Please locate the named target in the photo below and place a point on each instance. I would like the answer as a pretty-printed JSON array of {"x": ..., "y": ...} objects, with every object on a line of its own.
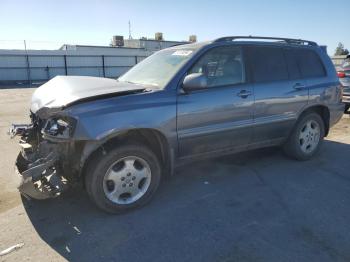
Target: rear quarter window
[{"x": 310, "y": 63}]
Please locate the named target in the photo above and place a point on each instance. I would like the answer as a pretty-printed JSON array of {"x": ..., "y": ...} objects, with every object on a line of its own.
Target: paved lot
[{"x": 255, "y": 206}]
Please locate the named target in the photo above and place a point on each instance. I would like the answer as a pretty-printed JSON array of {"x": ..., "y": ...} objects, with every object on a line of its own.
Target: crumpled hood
[{"x": 63, "y": 90}]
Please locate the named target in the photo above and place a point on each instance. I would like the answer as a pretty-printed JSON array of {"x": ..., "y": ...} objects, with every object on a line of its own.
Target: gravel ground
[{"x": 254, "y": 206}]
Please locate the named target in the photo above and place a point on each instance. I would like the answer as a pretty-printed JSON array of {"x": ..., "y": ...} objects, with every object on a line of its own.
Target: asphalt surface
[{"x": 253, "y": 206}]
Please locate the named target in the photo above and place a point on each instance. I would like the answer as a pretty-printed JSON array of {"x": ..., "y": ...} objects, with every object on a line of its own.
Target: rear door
[
  {"x": 314, "y": 72},
  {"x": 280, "y": 92},
  {"x": 219, "y": 117}
]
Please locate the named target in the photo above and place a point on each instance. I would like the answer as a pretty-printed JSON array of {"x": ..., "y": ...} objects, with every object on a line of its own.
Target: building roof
[
  {"x": 64, "y": 47},
  {"x": 154, "y": 40}
]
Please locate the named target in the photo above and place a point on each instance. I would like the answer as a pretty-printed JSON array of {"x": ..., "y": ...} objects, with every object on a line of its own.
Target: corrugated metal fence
[{"x": 42, "y": 67}]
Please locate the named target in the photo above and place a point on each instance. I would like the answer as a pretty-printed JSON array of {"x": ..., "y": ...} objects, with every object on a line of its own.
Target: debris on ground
[
  {"x": 77, "y": 230},
  {"x": 11, "y": 249}
]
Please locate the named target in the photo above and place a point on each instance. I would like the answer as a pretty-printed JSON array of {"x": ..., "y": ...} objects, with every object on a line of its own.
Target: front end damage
[
  {"x": 39, "y": 165},
  {"x": 52, "y": 156}
]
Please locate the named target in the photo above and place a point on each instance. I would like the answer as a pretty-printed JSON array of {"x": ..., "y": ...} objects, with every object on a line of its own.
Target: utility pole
[
  {"x": 28, "y": 65},
  {"x": 130, "y": 37}
]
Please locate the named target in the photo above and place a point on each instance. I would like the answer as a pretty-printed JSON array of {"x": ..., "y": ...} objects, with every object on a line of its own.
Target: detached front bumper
[
  {"x": 37, "y": 180},
  {"x": 37, "y": 167}
]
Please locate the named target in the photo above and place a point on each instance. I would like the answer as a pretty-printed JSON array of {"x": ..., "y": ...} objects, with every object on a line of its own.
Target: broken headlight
[{"x": 60, "y": 127}]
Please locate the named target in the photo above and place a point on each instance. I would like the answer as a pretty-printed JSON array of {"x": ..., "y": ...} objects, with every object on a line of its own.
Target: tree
[{"x": 340, "y": 50}]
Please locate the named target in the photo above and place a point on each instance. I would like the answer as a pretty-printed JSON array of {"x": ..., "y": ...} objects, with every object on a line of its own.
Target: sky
[{"x": 49, "y": 24}]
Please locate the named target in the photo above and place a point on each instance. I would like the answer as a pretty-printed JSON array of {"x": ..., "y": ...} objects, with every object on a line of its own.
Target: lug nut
[
  {"x": 124, "y": 185},
  {"x": 131, "y": 184},
  {"x": 134, "y": 177},
  {"x": 123, "y": 178}
]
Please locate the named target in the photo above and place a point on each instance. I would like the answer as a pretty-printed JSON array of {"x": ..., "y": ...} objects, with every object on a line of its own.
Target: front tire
[
  {"x": 306, "y": 138},
  {"x": 125, "y": 178}
]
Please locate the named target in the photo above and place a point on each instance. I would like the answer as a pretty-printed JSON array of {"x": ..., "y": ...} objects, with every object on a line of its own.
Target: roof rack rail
[{"x": 286, "y": 40}]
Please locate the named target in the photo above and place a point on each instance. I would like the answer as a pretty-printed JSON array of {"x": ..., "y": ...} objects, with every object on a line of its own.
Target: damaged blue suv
[{"x": 120, "y": 137}]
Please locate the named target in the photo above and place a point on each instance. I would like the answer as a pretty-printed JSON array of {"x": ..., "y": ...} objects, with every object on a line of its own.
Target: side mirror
[{"x": 195, "y": 81}]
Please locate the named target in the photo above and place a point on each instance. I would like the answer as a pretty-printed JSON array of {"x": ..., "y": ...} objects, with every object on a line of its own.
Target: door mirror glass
[{"x": 195, "y": 81}]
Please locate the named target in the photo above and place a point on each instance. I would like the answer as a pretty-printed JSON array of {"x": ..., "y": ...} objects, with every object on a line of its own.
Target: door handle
[
  {"x": 298, "y": 86},
  {"x": 244, "y": 93}
]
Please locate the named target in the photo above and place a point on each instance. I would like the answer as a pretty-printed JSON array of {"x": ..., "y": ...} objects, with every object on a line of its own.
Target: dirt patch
[
  {"x": 341, "y": 130},
  {"x": 8, "y": 200}
]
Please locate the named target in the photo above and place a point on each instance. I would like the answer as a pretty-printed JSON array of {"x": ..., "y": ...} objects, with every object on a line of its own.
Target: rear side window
[
  {"x": 268, "y": 64},
  {"x": 292, "y": 63},
  {"x": 309, "y": 63}
]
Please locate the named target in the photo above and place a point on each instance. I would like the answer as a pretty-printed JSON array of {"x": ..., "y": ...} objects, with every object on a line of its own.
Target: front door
[{"x": 220, "y": 116}]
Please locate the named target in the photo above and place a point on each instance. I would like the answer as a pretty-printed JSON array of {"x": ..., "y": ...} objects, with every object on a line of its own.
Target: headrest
[{"x": 232, "y": 68}]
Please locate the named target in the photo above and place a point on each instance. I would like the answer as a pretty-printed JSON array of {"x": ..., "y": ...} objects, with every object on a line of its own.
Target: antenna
[{"x": 130, "y": 37}]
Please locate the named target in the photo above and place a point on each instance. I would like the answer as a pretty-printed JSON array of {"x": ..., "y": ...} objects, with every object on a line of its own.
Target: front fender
[
  {"x": 111, "y": 140},
  {"x": 99, "y": 119}
]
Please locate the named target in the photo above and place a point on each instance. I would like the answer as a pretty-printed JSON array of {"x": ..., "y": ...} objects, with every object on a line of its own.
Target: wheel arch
[
  {"x": 152, "y": 138},
  {"x": 322, "y": 110}
]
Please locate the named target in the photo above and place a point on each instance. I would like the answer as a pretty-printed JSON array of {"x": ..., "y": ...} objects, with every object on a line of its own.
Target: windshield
[{"x": 157, "y": 69}]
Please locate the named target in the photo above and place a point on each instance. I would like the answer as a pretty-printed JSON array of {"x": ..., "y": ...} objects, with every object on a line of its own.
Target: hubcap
[
  {"x": 309, "y": 136},
  {"x": 127, "y": 180}
]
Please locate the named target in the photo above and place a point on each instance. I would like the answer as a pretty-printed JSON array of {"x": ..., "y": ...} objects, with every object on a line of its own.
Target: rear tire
[
  {"x": 306, "y": 137},
  {"x": 125, "y": 178}
]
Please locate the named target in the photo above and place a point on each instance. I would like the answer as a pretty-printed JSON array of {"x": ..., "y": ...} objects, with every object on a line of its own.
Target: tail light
[{"x": 341, "y": 74}]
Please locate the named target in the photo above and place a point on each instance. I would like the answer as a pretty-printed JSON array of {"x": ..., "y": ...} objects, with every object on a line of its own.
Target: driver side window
[{"x": 222, "y": 66}]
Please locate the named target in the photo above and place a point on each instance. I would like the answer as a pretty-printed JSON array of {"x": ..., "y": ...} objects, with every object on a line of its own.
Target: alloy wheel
[{"x": 127, "y": 180}]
